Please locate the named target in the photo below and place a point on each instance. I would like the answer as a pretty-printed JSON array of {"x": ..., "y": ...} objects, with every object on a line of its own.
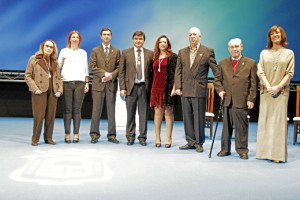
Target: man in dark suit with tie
[
  {"x": 135, "y": 84},
  {"x": 104, "y": 64},
  {"x": 238, "y": 91},
  {"x": 191, "y": 78}
]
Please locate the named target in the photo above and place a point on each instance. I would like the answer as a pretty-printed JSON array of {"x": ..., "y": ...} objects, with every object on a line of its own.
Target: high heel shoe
[
  {"x": 168, "y": 145},
  {"x": 157, "y": 145},
  {"x": 276, "y": 161},
  {"x": 76, "y": 139},
  {"x": 67, "y": 139}
]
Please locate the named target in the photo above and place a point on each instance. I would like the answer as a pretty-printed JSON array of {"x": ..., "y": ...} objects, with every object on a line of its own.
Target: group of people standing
[{"x": 152, "y": 78}]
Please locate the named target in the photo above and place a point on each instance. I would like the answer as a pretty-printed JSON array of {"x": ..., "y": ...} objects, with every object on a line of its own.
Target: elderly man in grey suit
[
  {"x": 191, "y": 78},
  {"x": 239, "y": 88},
  {"x": 104, "y": 64},
  {"x": 135, "y": 83}
]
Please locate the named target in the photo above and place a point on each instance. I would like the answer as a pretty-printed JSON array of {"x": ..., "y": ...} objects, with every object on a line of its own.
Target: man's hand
[
  {"x": 250, "y": 105},
  {"x": 107, "y": 77},
  {"x": 178, "y": 92},
  {"x": 123, "y": 93},
  {"x": 222, "y": 95}
]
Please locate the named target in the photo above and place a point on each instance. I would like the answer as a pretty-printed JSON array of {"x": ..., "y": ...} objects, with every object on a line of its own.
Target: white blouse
[{"x": 73, "y": 64}]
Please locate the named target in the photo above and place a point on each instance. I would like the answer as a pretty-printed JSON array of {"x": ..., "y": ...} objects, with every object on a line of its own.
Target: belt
[
  {"x": 74, "y": 82},
  {"x": 138, "y": 84}
]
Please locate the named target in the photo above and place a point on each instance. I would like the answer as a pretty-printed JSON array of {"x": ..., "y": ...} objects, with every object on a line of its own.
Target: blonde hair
[{"x": 40, "y": 52}]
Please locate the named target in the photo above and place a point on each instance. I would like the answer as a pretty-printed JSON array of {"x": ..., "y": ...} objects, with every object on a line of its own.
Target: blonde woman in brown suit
[{"x": 43, "y": 78}]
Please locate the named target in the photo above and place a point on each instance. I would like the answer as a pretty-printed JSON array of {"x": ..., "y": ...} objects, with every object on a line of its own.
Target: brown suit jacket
[
  {"x": 127, "y": 69},
  {"x": 193, "y": 80},
  {"x": 37, "y": 77},
  {"x": 99, "y": 66},
  {"x": 241, "y": 86}
]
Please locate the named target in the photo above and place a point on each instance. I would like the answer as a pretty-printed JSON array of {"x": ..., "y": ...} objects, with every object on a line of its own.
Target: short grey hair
[
  {"x": 235, "y": 40},
  {"x": 195, "y": 29}
]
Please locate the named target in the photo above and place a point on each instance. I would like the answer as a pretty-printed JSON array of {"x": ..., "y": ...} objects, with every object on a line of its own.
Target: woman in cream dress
[{"x": 275, "y": 70}]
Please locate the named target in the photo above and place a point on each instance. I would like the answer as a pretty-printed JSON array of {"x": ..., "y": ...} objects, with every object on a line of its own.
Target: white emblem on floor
[{"x": 65, "y": 167}]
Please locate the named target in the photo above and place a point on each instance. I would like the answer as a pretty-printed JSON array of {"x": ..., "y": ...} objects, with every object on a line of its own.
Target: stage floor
[{"x": 117, "y": 171}]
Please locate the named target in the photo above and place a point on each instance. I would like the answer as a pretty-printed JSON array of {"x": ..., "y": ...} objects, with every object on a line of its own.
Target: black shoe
[
  {"x": 186, "y": 147},
  {"x": 68, "y": 141},
  {"x": 157, "y": 145},
  {"x": 76, "y": 140},
  {"x": 95, "y": 138},
  {"x": 244, "y": 156},
  {"x": 143, "y": 142},
  {"x": 113, "y": 140},
  {"x": 223, "y": 153},
  {"x": 199, "y": 148},
  {"x": 130, "y": 142}
]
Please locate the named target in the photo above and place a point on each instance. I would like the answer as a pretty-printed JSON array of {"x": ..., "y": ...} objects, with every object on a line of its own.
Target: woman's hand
[
  {"x": 274, "y": 90},
  {"x": 57, "y": 94},
  {"x": 86, "y": 87},
  {"x": 38, "y": 92}
]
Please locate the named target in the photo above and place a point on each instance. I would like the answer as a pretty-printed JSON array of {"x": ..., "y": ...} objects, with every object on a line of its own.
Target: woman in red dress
[{"x": 163, "y": 88}]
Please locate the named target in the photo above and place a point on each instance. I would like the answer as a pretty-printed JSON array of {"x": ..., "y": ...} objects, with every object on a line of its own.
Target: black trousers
[{"x": 137, "y": 99}]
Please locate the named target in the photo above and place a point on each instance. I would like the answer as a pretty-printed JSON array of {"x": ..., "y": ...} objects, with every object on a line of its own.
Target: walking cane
[{"x": 212, "y": 144}]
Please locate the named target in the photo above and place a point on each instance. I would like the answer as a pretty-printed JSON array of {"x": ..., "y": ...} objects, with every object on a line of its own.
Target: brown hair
[
  {"x": 69, "y": 37},
  {"x": 157, "y": 50},
  {"x": 283, "y": 41},
  {"x": 105, "y": 29},
  {"x": 139, "y": 33}
]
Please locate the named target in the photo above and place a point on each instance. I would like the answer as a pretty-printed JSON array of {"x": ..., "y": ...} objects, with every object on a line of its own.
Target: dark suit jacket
[
  {"x": 241, "y": 86},
  {"x": 99, "y": 66},
  {"x": 193, "y": 80},
  {"x": 127, "y": 69}
]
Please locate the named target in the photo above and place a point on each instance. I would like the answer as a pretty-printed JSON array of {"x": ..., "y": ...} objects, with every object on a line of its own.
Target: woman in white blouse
[{"x": 74, "y": 70}]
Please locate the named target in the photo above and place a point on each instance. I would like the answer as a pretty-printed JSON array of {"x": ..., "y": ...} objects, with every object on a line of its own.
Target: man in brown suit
[
  {"x": 191, "y": 77},
  {"x": 135, "y": 83},
  {"x": 104, "y": 64},
  {"x": 239, "y": 88}
]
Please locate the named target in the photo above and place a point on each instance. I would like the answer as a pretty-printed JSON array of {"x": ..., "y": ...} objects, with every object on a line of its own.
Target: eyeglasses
[{"x": 48, "y": 46}]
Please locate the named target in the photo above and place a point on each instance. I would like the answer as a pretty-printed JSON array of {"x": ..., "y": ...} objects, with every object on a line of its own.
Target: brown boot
[
  {"x": 34, "y": 143},
  {"x": 50, "y": 141}
]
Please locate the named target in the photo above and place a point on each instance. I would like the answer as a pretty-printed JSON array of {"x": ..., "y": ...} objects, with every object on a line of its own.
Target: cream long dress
[{"x": 272, "y": 121}]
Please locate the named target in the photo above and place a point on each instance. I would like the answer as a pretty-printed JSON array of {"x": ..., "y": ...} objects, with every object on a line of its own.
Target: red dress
[{"x": 159, "y": 82}]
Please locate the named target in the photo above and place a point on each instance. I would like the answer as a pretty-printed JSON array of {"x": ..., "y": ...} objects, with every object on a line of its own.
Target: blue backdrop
[{"x": 26, "y": 23}]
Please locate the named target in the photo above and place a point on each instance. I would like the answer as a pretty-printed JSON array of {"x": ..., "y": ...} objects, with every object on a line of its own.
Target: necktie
[
  {"x": 106, "y": 52},
  {"x": 139, "y": 66},
  {"x": 235, "y": 64}
]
